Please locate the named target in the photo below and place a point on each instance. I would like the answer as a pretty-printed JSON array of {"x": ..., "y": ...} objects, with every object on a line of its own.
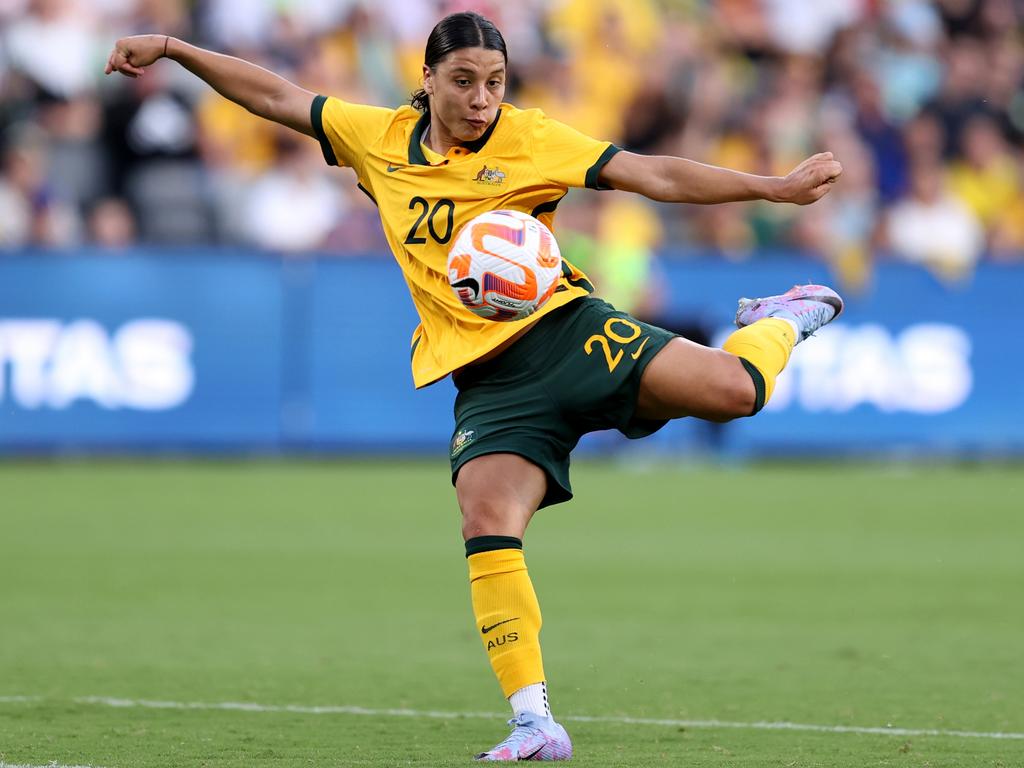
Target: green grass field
[{"x": 835, "y": 596}]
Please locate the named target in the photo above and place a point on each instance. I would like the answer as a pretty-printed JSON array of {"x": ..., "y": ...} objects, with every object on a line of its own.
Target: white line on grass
[{"x": 334, "y": 710}]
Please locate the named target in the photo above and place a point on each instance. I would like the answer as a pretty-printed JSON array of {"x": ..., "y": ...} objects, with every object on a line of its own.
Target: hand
[
  {"x": 131, "y": 54},
  {"x": 810, "y": 180}
]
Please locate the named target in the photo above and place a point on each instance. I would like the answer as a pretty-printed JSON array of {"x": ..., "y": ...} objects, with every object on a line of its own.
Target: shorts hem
[{"x": 557, "y": 492}]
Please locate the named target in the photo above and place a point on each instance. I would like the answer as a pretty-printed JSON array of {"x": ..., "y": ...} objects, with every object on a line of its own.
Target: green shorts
[{"x": 577, "y": 371}]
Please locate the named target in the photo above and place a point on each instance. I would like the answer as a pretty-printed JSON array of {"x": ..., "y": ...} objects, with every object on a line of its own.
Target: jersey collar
[{"x": 416, "y": 156}]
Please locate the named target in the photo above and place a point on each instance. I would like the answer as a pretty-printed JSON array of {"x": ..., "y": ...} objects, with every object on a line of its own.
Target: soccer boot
[
  {"x": 808, "y": 307},
  {"x": 533, "y": 738}
]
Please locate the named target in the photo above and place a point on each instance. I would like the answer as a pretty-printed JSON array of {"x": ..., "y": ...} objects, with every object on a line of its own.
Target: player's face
[{"x": 465, "y": 89}]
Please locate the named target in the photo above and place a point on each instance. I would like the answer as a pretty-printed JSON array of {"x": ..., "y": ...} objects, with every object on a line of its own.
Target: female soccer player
[{"x": 527, "y": 390}]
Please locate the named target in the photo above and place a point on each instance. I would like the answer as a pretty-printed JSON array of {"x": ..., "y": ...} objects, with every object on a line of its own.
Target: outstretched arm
[
  {"x": 677, "y": 180},
  {"x": 257, "y": 89}
]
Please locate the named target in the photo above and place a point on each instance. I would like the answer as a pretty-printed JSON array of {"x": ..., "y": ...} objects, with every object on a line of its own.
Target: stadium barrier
[{"x": 215, "y": 350}]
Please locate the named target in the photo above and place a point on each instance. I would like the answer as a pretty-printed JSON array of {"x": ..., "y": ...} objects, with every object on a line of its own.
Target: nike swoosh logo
[
  {"x": 640, "y": 349},
  {"x": 485, "y": 629},
  {"x": 393, "y": 168}
]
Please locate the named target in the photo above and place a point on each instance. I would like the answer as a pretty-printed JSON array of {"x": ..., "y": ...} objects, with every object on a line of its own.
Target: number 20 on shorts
[{"x": 610, "y": 336}]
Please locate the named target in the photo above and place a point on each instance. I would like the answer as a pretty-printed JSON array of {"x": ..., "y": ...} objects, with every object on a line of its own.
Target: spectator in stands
[
  {"x": 932, "y": 227},
  {"x": 55, "y": 25},
  {"x": 295, "y": 205},
  {"x": 743, "y": 84},
  {"x": 151, "y": 143},
  {"x": 984, "y": 175},
  {"x": 31, "y": 210},
  {"x": 111, "y": 224},
  {"x": 963, "y": 90}
]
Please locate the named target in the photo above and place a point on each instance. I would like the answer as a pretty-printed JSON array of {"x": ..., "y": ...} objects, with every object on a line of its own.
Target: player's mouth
[{"x": 476, "y": 123}]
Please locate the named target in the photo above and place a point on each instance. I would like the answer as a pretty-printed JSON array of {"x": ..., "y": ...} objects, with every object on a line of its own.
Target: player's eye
[
  {"x": 461, "y": 81},
  {"x": 494, "y": 83}
]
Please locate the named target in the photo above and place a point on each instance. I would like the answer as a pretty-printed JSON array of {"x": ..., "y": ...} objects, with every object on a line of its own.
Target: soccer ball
[{"x": 504, "y": 265}]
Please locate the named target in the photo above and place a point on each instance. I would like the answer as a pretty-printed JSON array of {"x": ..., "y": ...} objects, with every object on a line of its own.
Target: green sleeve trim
[
  {"x": 367, "y": 193},
  {"x": 759, "y": 388},
  {"x": 595, "y": 169},
  {"x": 548, "y": 207},
  {"x": 480, "y": 544},
  {"x": 316, "y": 117},
  {"x": 579, "y": 282},
  {"x": 412, "y": 352}
]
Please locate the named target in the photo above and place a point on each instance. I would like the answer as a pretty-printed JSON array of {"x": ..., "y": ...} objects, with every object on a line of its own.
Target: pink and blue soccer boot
[
  {"x": 533, "y": 738},
  {"x": 808, "y": 307}
]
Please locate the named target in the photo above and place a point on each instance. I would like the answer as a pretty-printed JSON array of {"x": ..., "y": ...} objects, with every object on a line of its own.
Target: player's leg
[
  {"x": 686, "y": 379},
  {"x": 498, "y": 494}
]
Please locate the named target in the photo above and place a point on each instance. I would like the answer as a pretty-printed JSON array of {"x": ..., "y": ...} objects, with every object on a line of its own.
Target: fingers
[
  {"x": 822, "y": 158},
  {"x": 118, "y": 62},
  {"x": 823, "y": 170},
  {"x": 819, "y": 168}
]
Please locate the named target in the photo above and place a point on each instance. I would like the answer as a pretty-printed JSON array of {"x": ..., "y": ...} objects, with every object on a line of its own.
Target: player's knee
[
  {"x": 738, "y": 396},
  {"x": 484, "y": 515},
  {"x": 498, "y": 494}
]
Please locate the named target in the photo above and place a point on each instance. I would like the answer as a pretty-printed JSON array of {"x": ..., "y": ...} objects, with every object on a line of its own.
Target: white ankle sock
[
  {"x": 796, "y": 328},
  {"x": 532, "y": 698}
]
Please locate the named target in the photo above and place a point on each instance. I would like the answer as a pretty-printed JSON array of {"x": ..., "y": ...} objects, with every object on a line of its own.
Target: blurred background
[{"x": 176, "y": 274}]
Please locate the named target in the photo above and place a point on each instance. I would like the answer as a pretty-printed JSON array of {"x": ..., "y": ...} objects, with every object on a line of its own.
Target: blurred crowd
[{"x": 922, "y": 101}]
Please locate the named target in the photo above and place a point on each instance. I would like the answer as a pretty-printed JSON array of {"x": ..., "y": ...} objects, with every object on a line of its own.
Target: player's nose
[{"x": 478, "y": 98}]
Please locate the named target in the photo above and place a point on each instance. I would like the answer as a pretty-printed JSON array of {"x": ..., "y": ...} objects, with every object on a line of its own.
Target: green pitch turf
[{"x": 860, "y": 596}]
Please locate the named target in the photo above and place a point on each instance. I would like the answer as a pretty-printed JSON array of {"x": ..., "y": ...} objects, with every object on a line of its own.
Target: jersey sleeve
[
  {"x": 567, "y": 157},
  {"x": 346, "y": 130}
]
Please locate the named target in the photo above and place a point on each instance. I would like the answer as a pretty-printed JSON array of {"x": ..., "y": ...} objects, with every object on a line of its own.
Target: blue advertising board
[
  {"x": 140, "y": 350},
  {"x": 913, "y": 363},
  {"x": 360, "y": 386},
  {"x": 215, "y": 350}
]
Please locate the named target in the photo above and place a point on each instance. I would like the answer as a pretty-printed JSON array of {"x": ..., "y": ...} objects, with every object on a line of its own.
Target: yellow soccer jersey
[{"x": 525, "y": 162}]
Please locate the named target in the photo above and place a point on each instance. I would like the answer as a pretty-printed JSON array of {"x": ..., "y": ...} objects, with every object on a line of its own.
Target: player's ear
[{"x": 428, "y": 81}]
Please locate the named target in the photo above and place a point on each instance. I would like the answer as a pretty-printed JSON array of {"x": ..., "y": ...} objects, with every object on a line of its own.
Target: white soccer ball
[{"x": 504, "y": 265}]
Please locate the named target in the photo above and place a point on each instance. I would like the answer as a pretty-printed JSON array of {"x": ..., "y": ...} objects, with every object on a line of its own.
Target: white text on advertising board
[
  {"x": 144, "y": 365},
  {"x": 925, "y": 368}
]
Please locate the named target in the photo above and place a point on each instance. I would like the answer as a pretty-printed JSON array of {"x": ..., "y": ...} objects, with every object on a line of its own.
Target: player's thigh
[
  {"x": 687, "y": 379},
  {"x": 498, "y": 494}
]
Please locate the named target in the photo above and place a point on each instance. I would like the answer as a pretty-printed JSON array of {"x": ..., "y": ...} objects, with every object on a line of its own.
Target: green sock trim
[
  {"x": 759, "y": 389},
  {"x": 480, "y": 544}
]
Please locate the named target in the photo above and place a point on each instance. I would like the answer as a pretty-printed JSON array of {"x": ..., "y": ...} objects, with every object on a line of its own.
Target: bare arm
[
  {"x": 677, "y": 180},
  {"x": 257, "y": 89}
]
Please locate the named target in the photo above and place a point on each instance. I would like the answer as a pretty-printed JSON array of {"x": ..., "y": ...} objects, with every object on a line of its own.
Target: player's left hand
[{"x": 811, "y": 180}]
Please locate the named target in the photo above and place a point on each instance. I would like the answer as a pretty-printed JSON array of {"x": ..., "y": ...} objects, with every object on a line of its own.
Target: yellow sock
[
  {"x": 763, "y": 348},
  {"x": 506, "y": 610}
]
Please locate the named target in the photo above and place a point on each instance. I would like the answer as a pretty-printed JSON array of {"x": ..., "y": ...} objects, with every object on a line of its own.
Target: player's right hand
[
  {"x": 811, "y": 180},
  {"x": 131, "y": 54}
]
